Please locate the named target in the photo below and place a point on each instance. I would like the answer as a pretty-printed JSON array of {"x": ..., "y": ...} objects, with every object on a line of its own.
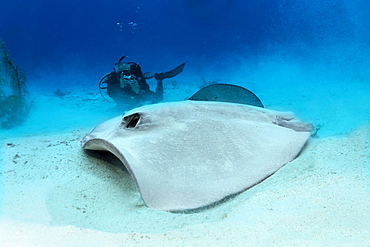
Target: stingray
[
  {"x": 190, "y": 154},
  {"x": 227, "y": 93}
]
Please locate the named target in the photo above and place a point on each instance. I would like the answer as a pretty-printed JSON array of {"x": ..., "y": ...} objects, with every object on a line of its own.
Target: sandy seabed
[{"x": 56, "y": 195}]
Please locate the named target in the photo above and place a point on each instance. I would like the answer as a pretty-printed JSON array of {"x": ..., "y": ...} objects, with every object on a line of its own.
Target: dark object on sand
[
  {"x": 227, "y": 93},
  {"x": 14, "y": 98}
]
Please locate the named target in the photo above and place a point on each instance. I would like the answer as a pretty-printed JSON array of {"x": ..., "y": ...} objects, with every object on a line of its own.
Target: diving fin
[{"x": 169, "y": 74}]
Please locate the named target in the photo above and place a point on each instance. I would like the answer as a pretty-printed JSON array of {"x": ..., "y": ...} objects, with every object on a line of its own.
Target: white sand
[{"x": 55, "y": 195}]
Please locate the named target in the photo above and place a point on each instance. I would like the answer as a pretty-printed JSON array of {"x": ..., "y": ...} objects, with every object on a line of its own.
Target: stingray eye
[{"x": 132, "y": 120}]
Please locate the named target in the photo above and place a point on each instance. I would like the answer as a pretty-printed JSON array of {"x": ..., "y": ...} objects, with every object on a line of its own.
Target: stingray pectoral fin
[
  {"x": 227, "y": 93},
  {"x": 295, "y": 125}
]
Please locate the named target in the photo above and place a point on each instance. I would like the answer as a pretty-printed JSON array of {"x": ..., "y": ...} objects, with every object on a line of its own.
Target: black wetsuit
[{"x": 126, "y": 95}]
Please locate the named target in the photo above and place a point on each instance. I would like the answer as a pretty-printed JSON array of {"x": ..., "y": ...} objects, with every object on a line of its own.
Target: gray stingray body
[{"x": 186, "y": 155}]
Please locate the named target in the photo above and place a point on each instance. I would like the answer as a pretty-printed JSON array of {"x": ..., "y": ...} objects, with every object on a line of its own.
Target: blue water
[
  {"x": 213, "y": 37},
  {"x": 310, "y": 57}
]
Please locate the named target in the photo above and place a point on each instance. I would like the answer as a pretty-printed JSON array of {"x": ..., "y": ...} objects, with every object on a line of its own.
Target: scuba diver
[{"x": 127, "y": 84}]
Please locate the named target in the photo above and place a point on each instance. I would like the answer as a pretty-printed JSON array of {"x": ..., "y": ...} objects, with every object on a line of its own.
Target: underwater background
[
  {"x": 308, "y": 57},
  {"x": 282, "y": 50}
]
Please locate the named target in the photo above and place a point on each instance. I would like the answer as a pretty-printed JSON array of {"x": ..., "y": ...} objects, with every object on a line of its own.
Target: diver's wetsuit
[{"x": 126, "y": 95}]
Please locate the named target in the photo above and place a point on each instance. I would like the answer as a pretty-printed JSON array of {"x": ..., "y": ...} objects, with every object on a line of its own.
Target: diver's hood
[{"x": 119, "y": 67}]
